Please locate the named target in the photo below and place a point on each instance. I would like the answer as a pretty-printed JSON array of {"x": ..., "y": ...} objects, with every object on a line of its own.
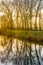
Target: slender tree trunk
[
  {"x": 40, "y": 20},
  {"x": 31, "y": 19},
  {"x": 36, "y": 22}
]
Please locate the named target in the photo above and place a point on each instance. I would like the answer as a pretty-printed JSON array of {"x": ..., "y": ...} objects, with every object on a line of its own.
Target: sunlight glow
[{"x": 1, "y": 13}]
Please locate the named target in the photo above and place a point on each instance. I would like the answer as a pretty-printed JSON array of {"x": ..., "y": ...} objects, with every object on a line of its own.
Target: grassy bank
[{"x": 36, "y": 36}]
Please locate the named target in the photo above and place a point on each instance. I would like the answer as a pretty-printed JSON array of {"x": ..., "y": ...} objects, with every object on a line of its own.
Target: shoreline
[{"x": 35, "y": 36}]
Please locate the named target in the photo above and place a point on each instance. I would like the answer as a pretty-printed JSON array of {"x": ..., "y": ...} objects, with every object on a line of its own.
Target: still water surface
[{"x": 17, "y": 52}]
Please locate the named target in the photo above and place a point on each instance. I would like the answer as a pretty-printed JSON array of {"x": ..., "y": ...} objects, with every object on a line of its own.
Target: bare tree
[
  {"x": 37, "y": 10},
  {"x": 40, "y": 20},
  {"x": 5, "y": 8}
]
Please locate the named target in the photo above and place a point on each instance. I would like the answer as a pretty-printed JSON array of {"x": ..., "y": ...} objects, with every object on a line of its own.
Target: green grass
[{"x": 36, "y": 36}]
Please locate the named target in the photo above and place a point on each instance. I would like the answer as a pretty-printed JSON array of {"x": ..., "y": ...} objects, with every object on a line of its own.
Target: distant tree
[
  {"x": 40, "y": 20},
  {"x": 37, "y": 10},
  {"x": 6, "y": 9}
]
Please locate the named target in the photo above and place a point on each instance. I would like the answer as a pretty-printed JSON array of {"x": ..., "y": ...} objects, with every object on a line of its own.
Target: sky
[{"x": 6, "y": 0}]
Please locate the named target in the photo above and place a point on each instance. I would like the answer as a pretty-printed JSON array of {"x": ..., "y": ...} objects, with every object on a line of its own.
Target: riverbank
[{"x": 35, "y": 36}]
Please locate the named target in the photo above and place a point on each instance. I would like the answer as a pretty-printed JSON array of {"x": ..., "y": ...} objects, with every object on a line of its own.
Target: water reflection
[{"x": 16, "y": 52}]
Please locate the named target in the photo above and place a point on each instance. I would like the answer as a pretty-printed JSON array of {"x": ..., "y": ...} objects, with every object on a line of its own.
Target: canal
[{"x": 17, "y": 52}]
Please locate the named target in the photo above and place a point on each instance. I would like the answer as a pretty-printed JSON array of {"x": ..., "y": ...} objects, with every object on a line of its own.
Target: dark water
[{"x": 16, "y": 52}]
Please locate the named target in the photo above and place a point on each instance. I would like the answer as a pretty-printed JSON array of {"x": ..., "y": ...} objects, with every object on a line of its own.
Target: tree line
[{"x": 25, "y": 12}]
